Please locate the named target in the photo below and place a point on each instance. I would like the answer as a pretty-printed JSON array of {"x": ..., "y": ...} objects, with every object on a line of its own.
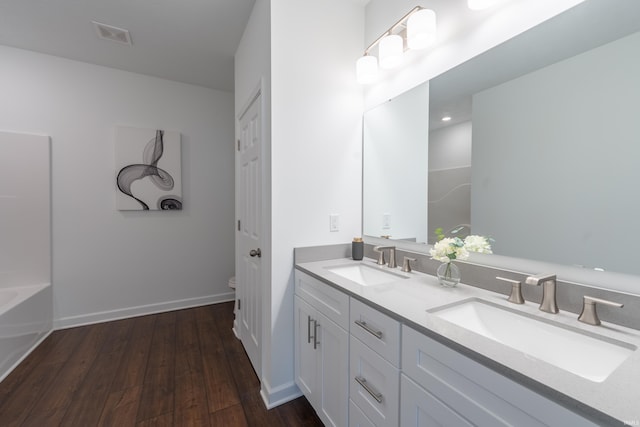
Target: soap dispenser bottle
[{"x": 357, "y": 248}]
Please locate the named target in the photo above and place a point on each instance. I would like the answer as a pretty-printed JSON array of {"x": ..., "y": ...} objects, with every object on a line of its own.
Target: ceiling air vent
[{"x": 107, "y": 32}]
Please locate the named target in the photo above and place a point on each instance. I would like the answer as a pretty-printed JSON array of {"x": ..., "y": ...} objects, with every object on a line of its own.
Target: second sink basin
[
  {"x": 365, "y": 274},
  {"x": 588, "y": 355}
]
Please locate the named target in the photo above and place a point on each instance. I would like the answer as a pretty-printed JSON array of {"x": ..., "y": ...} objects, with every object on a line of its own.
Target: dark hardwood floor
[{"x": 181, "y": 368}]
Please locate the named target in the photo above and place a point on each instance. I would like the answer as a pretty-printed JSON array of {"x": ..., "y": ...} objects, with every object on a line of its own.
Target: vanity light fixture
[
  {"x": 446, "y": 118},
  {"x": 415, "y": 30}
]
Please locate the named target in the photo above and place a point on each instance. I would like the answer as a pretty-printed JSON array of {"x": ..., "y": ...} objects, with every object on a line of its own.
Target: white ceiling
[{"x": 191, "y": 41}]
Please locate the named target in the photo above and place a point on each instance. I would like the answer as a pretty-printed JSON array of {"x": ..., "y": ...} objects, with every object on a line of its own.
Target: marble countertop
[{"x": 409, "y": 300}]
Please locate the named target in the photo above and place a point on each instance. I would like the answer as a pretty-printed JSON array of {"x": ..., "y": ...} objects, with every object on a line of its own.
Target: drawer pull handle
[
  {"x": 363, "y": 325},
  {"x": 363, "y": 382},
  {"x": 315, "y": 334},
  {"x": 309, "y": 320}
]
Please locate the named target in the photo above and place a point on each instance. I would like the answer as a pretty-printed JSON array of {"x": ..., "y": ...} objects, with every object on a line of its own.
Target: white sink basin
[
  {"x": 588, "y": 355},
  {"x": 365, "y": 274}
]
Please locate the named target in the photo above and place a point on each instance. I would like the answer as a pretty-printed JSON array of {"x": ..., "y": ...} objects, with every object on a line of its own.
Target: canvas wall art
[{"x": 147, "y": 169}]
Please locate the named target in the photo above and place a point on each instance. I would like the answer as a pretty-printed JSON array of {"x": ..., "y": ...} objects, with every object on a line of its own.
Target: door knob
[{"x": 255, "y": 252}]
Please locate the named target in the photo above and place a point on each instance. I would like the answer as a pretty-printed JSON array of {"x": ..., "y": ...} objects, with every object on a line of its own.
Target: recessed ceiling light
[
  {"x": 446, "y": 118},
  {"x": 108, "y": 32}
]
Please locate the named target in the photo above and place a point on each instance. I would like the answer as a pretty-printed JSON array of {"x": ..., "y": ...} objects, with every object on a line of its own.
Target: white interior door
[{"x": 249, "y": 233}]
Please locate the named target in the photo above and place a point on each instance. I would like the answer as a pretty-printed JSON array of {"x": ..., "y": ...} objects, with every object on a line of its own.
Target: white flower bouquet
[{"x": 447, "y": 249}]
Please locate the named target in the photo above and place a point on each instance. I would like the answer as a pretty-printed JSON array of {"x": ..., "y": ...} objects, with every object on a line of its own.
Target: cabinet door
[
  {"x": 418, "y": 408},
  {"x": 305, "y": 355},
  {"x": 333, "y": 372}
]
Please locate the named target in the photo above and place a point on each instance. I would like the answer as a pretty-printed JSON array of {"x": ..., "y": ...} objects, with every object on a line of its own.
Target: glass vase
[{"x": 448, "y": 274}]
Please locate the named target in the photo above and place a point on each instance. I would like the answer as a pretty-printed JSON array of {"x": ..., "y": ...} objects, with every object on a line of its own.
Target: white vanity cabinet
[
  {"x": 374, "y": 366},
  {"x": 322, "y": 348},
  {"x": 443, "y": 387}
]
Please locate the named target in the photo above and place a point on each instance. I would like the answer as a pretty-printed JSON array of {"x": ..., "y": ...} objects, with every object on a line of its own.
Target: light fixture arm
[{"x": 392, "y": 28}]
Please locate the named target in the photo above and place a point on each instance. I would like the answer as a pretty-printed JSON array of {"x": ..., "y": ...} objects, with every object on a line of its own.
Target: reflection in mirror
[
  {"x": 553, "y": 144},
  {"x": 394, "y": 167}
]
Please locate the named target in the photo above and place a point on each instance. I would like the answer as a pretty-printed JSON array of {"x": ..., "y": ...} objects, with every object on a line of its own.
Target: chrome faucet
[
  {"x": 589, "y": 314},
  {"x": 392, "y": 255},
  {"x": 548, "y": 282}
]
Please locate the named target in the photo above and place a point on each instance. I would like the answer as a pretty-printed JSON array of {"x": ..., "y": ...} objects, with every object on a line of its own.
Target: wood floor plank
[
  {"x": 37, "y": 357},
  {"x": 232, "y": 416},
  {"x": 256, "y": 413},
  {"x": 172, "y": 369},
  {"x": 190, "y": 392},
  {"x": 134, "y": 362},
  {"x": 54, "y": 351},
  {"x": 299, "y": 413},
  {"x": 188, "y": 355},
  {"x": 242, "y": 371},
  {"x": 121, "y": 408},
  {"x": 164, "y": 420},
  {"x": 190, "y": 401},
  {"x": 17, "y": 406},
  {"x": 52, "y": 405},
  {"x": 159, "y": 381},
  {"x": 220, "y": 385},
  {"x": 88, "y": 402}
]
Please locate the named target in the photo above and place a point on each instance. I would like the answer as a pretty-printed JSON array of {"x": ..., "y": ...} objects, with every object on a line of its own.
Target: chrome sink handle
[
  {"x": 516, "y": 290},
  {"x": 548, "y": 282},
  {"x": 589, "y": 314},
  {"x": 406, "y": 264},
  {"x": 380, "y": 249}
]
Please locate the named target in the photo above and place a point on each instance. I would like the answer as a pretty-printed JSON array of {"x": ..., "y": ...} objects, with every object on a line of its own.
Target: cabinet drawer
[
  {"x": 476, "y": 392},
  {"x": 377, "y": 330},
  {"x": 357, "y": 418},
  {"x": 327, "y": 300},
  {"x": 419, "y": 408},
  {"x": 374, "y": 384}
]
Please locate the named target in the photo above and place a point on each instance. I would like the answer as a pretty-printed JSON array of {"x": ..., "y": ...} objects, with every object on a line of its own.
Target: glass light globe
[
  {"x": 421, "y": 29},
  {"x": 366, "y": 69},
  {"x": 391, "y": 50}
]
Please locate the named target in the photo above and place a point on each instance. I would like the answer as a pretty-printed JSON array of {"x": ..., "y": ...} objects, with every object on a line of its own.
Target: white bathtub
[{"x": 26, "y": 317}]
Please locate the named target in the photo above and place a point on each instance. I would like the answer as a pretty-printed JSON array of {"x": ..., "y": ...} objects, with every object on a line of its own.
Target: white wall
[
  {"x": 488, "y": 29},
  {"x": 106, "y": 262},
  {"x": 316, "y": 143},
  {"x": 315, "y": 109}
]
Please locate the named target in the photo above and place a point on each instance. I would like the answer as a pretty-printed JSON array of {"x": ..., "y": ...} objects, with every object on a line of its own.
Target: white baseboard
[
  {"x": 123, "y": 313},
  {"x": 277, "y": 396}
]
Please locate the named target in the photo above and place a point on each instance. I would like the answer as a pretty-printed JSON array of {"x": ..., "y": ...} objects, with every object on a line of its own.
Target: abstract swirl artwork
[{"x": 147, "y": 169}]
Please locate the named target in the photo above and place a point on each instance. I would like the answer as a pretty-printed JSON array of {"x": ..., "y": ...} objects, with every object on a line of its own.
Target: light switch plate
[
  {"x": 334, "y": 222},
  {"x": 386, "y": 221}
]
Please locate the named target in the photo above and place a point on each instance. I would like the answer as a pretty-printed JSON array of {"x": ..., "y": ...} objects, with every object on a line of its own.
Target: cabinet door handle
[
  {"x": 372, "y": 391},
  {"x": 363, "y": 325},
  {"x": 315, "y": 334},
  {"x": 309, "y": 320}
]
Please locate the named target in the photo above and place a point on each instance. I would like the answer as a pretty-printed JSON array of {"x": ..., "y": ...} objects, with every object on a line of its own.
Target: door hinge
[
  {"x": 238, "y": 145},
  {"x": 238, "y": 225},
  {"x": 239, "y": 304}
]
